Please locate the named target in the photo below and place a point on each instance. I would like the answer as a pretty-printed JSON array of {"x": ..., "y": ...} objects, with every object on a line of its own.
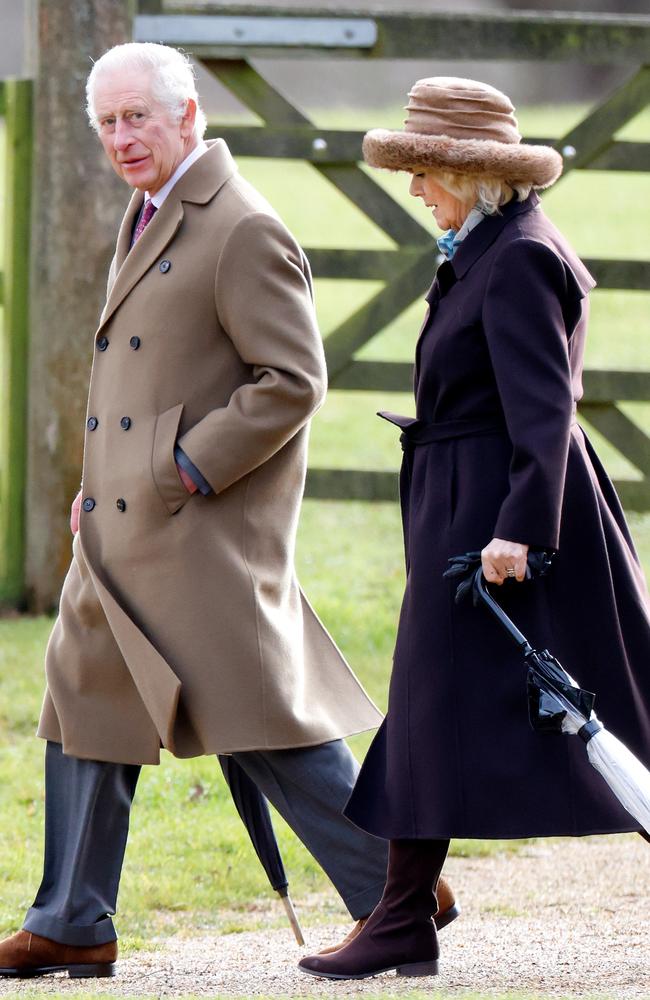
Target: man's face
[{"x": 139, "y": 137}]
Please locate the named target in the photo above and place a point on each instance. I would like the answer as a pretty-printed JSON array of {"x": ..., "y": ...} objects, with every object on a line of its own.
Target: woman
[{"x": 494, "y": 461}]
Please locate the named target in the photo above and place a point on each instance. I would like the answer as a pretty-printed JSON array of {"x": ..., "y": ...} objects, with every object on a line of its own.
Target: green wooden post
[{"x": 14, "y": 344}]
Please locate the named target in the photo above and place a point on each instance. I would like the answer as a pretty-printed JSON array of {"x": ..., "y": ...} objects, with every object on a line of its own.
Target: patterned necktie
[{"x": 144, "y": 220}]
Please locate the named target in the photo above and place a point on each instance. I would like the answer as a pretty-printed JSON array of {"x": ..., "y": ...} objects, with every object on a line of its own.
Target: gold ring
[{"x": 510, "y": 571}]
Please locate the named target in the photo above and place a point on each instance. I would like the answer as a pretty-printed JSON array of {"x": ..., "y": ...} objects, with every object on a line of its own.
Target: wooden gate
[
  {"x": 16, "y": 122},
  {"x": 227, "y": 44}
]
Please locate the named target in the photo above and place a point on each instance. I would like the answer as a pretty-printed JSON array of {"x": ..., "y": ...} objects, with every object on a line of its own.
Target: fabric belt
[{"x": 421, "y": 432}]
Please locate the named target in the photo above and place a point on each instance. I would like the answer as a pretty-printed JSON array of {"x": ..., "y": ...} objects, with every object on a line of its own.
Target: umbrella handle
[{"x": 481, "y": 591}]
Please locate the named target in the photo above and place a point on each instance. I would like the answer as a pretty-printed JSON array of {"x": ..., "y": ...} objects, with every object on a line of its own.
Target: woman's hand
[
  {"x": 74, "y": 513},
  {"x": 502, "y": 560}
]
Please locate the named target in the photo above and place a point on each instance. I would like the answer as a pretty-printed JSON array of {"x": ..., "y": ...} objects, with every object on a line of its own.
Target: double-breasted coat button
[
  {"x": 134, "y": 343},
  {"x": 91, "y": 423},
  {"x": 125, "y": 423},
  {"x": 88, "y": 504},
  {"x": 102, "y": 343},
  {"x": 121, "y": 505},
  {"x": 165, "y": 266}
]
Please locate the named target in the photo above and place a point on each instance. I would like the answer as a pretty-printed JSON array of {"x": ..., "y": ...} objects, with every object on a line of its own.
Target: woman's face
[{"x": 448, "y": 211}]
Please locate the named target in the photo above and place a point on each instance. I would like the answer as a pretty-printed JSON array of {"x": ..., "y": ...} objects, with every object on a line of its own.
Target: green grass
[
  {"x": 201, "y": 873},
  {"x": 189, "y": 866}
]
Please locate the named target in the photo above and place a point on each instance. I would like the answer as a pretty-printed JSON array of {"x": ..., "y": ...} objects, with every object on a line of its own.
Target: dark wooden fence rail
[
  {"x": 15, "y": 109},
  {"x": 226, "y": 44}
]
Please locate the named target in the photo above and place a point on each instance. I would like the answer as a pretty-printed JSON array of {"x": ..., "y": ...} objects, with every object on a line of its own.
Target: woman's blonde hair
[{"x": 487, "y": 193}]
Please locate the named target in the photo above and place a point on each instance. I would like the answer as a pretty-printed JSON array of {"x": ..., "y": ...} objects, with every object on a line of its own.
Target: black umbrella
[
  {"x": 254, "y": 811},
  {"x": 556, "y": 703},
  {"x": 549, "y": 685}
]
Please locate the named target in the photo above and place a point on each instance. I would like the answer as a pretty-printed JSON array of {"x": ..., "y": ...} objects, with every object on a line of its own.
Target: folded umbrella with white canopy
[{"x": 555, "y": 701}]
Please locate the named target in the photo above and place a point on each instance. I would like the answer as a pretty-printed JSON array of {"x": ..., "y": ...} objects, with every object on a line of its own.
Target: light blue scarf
[{"x": 449, "y": 242}]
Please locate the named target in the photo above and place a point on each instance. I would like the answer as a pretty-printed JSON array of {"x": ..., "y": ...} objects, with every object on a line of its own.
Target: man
[{"x": 181, "y": 622}]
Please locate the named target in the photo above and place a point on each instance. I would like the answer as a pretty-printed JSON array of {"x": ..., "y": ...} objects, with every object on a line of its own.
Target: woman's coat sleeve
[{"x": 524, "y": 320}]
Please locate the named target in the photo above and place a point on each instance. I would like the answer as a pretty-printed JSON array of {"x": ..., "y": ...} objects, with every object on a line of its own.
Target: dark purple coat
[{"x": 501, "y": 352}]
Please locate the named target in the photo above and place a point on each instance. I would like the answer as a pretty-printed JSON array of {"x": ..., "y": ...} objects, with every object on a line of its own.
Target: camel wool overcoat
[{"x": 181, "y": 621}]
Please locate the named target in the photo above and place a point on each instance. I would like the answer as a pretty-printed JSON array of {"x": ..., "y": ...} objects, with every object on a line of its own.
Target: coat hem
[
  {"x": 211, "y": 752},
  {"x": 405, "y": 833}
]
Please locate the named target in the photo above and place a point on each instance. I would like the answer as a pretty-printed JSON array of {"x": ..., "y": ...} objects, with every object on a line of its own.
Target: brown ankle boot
[
  {"x": 24, "y": 955},
  {"x": 448, "y": 910},
  {"x": 400, "y": 933}
]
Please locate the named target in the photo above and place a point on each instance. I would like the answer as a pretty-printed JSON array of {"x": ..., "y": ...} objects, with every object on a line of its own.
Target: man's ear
[{"x": 188, "y": 119}]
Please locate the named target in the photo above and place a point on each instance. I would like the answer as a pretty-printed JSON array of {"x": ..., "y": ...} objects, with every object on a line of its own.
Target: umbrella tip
[{"x": 292, "y": 916}]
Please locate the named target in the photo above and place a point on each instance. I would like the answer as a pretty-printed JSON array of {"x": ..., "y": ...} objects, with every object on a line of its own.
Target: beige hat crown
[
  {"x": 461, "y": 109},
  {"x": 465, "y": 127}
]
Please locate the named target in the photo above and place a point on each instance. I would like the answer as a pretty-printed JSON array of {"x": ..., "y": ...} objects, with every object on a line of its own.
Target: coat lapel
[
  {"x": 442, "y": 282},
  {"x": 125, "y": 234},
  {"x": 141, "y": 256},
  {"x": 483, "y": 236},
  {"x": 198, "y": 185}
]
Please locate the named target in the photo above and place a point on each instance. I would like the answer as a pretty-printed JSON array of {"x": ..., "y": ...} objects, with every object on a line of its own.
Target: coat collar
[
  {"x": 483, "y": 236},
  {"x": 198, "y": 186},
  {"x": 204, "y": 178}
]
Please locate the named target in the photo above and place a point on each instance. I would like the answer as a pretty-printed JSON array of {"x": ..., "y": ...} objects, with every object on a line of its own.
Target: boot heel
[
  {"x": 418, "y": 969},
  {"x": 99, "y": 971}
]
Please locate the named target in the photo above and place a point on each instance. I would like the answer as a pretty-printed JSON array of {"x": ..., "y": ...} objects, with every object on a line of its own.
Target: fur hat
[{"x": 465, "y": 127}]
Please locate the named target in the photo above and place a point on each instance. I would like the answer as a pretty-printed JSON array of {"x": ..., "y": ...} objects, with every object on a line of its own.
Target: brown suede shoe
[
  {"x": 358, "y": 927},
  {"x": 24, "y": 955},
  {"x": 448, "y": 910}
]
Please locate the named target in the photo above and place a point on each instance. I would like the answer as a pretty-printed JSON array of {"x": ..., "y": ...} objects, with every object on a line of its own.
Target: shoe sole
[
  {"x": 98, "y": 971},
  {"x": 413, "y": 969}
]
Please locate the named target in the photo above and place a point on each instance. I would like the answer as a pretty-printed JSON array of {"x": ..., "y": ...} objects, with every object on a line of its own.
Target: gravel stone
[{"x": 560, "y": 918}]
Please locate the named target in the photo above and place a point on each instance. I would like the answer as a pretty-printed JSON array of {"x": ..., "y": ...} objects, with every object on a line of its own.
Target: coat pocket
[{"x": 163, "y": 465}]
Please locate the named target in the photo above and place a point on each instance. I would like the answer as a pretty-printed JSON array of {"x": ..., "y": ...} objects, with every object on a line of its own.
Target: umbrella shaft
[{"x": 518, "y": 637}]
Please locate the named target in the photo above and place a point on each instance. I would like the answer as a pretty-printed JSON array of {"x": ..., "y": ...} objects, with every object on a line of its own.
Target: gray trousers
[{"x": 87, "y": 808}]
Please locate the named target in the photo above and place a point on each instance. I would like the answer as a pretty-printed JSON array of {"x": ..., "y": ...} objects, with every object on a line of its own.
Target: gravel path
[{"x": 560, "y": 918}]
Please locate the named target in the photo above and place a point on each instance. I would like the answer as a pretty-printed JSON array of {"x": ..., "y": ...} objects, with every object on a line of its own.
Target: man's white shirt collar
[{"x": 182, "y": 168}]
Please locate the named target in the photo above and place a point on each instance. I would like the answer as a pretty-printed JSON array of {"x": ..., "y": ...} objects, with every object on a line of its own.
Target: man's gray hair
[{"x": 173, "y": 80}]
